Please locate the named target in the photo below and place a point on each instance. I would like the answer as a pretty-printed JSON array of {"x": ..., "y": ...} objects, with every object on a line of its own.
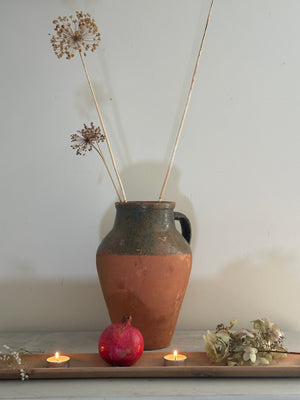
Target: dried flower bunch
[
  {"x": 75, "y": 33},
  {"x": 13, "y": 358},
  {"x": 80, "y": 34},
  {"x": 259, "y": 345},
  {"x": 86, "y": 139}
]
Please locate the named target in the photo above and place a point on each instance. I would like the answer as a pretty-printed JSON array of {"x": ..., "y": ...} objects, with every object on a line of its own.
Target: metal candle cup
[
  {"x": 58, "y": 361},
  {"x": 175, "y": 359}
]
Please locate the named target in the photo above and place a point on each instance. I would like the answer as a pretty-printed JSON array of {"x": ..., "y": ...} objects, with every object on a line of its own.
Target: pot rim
[{"x": 146, "y": 204}]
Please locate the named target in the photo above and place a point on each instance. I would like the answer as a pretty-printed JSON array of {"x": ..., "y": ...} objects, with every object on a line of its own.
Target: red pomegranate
[{"x": 121, "y": 343}]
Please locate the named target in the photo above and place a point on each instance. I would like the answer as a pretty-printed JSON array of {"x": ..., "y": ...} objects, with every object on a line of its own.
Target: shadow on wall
[
  {"x": 29, "y": 303},
  {"x": 34, "y": 305},
  {"x": 262, "y": 285},
  {"x": 266, "y": 284},
  {"x": 143, "y": 181}
]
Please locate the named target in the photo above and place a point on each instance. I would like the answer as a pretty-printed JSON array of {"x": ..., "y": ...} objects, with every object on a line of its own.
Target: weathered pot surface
[{"x": 144, "y": 265}]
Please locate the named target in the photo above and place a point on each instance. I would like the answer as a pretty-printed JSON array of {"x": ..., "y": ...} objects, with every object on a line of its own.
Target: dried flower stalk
[
  {"x": 103, "y": 128},
  {"x": 14, "y": 359},
  {"x": 81, "y": 34},
  {"x": 185, "y": 108},
  {"x": 87, "y": 139},
  {"x": 75, "y": 33}
]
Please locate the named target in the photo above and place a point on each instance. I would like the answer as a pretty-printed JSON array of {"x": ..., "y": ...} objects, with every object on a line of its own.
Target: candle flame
[
  {"x": 57, "y": 355},
  {"x": 175, "y": 354}
]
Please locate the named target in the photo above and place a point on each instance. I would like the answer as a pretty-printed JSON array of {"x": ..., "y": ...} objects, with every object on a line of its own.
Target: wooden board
[{"x": 150, "y": 365}]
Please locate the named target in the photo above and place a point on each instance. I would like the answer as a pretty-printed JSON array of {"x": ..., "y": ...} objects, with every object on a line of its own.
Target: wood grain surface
[{"x": 150, "y": 365}]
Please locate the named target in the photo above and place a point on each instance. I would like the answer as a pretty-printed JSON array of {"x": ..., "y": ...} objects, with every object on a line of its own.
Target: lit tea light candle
[
  {"x": 58, "y": 361},
  {"x": 175, "y": 359}
]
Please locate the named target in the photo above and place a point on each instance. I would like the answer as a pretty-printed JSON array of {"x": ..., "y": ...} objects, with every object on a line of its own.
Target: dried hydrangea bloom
[
  {"x": 258, "y": 346},
  {"x": 86, "y": 139},
  {"x": 268, "y": 328},
  {"x": 75, "y": 33},
  {"x": 250, "y": 354}
]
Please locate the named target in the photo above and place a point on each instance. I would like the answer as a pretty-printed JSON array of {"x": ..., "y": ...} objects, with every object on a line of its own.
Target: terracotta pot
[{"x": 144, "y": 265}]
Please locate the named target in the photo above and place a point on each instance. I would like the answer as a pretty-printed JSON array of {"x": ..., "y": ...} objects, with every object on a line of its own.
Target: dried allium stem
[
  {"x": 186, "y": 107},
  {"x": 108, "y": 170},
  {"x": 280, "y": 352},
  {"x": 104, "y": 130}
]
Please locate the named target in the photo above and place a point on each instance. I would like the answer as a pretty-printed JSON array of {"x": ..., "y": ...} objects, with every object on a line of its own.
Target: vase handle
[{"x": 186, "y": 229}]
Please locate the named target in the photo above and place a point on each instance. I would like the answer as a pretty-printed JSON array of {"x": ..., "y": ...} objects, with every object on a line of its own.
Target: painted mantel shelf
[{"x": 150, "y": 388}]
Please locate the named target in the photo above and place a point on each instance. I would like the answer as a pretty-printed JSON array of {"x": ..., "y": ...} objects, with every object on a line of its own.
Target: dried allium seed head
[
  {"x": 74, "y": 33},
  {"x": 85, "y": 139}
]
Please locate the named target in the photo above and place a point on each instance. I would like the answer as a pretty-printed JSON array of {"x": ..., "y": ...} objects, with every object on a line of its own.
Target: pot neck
[{"x": 149, "y": 214}]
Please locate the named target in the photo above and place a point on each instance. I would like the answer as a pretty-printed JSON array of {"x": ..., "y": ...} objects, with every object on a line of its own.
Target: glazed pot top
[
  {"x": 145, "y": 227},
  {"x": 147, "y": 204}
]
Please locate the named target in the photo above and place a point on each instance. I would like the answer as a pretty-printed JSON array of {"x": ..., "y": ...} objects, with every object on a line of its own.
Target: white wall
[{"x": 236, "y": 173}]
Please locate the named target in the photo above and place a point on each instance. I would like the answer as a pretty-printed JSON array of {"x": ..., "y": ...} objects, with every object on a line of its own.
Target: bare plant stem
[
  {"x": 104, "y": 131},
  {"x": 108, "y": 170},
  {"x": 279, "y": 352},
  {"x": 185, "y": 108}
]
